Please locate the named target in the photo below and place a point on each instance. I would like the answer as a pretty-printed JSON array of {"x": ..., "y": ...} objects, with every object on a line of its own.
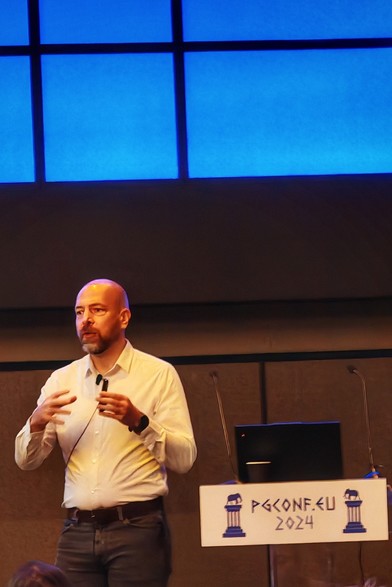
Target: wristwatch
[{"x": 143, "y": 423}]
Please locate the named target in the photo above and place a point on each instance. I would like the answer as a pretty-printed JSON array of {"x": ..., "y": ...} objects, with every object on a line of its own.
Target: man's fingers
[
  {"x": 61, "y": 412},
  {"x": 57, "y": 398},
  {"x": 57, "y": 394}
]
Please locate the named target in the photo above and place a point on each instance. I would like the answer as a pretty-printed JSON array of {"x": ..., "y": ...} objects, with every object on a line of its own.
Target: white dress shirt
[{"x": 109, "y": 465}]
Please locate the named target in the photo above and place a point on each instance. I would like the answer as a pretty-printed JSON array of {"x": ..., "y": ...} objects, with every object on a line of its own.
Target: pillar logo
[
  {"x": 233, "y": 509},
  {"x": 353, "y": 503}
]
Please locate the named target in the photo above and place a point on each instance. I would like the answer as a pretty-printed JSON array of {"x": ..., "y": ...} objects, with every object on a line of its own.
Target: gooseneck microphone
[
  {"x": 214, "y": 377},
  {"x": 355, "y": 371}
]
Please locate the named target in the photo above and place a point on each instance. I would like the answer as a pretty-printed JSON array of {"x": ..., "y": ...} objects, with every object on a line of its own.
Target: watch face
[{"x": 144, "y": 422}]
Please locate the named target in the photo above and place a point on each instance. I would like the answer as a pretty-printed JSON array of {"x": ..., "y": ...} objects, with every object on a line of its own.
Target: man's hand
[
  {"x": 50, "y": 410},
  {"x": 119, "y": 407}
]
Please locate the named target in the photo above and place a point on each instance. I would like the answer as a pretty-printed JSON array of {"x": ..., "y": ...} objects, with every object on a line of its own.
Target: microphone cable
[{"x": 105, "y": 386}]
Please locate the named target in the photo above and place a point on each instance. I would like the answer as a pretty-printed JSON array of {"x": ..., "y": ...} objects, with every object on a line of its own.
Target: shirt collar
[{"x": 123, "y": 362}]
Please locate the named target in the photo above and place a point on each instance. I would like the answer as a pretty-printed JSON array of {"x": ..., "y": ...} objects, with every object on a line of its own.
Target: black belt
[{"x": 103, "y": 516}]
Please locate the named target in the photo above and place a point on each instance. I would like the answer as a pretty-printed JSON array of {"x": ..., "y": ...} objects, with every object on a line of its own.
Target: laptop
[{"x": 289, "y": 451}]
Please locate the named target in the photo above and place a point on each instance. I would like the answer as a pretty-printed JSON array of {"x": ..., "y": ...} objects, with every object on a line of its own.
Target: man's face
[{"x": 99, "y": 317}]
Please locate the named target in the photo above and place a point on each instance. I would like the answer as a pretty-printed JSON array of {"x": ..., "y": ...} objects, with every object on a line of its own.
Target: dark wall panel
[
  {"x": 198, "y": 241},
  {"x": 30, "y": 501}
]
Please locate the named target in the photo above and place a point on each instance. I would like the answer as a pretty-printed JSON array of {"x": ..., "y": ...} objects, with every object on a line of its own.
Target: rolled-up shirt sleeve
[
  {"x": 32, "y": 448},
  {"x": 169, "y": 436}
]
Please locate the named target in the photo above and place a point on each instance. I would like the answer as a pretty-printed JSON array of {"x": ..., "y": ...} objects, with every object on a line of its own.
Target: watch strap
[{"x": 143, "y": 423}]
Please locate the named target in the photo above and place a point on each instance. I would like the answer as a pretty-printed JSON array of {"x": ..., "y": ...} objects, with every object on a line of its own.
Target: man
[{"x": 120, "y": 417}]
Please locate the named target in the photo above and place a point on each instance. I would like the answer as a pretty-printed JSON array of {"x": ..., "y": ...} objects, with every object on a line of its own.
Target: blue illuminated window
[
  {"x": 13, "y": 22},
  {"x": 107, "y": 21},
  {"x": 232, "y": 20},
  {"x": 16, "y": 153},
  {"x": 177, "y": 89},
  {"x": 289, "y": 112},
  {"x": 109, "y": 117}
]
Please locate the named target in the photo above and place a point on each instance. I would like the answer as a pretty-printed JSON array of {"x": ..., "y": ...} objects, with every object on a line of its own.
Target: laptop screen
[{"x": 289, "y": 451}]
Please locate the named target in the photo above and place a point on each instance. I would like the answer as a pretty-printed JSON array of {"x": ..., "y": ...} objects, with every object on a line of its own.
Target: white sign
[{"x": 347, "y": 510}]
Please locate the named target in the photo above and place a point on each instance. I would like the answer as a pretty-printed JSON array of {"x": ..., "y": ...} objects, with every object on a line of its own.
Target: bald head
[
  {"x": 102, "y": 315},
  {"x": 112, "y": 288}
]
